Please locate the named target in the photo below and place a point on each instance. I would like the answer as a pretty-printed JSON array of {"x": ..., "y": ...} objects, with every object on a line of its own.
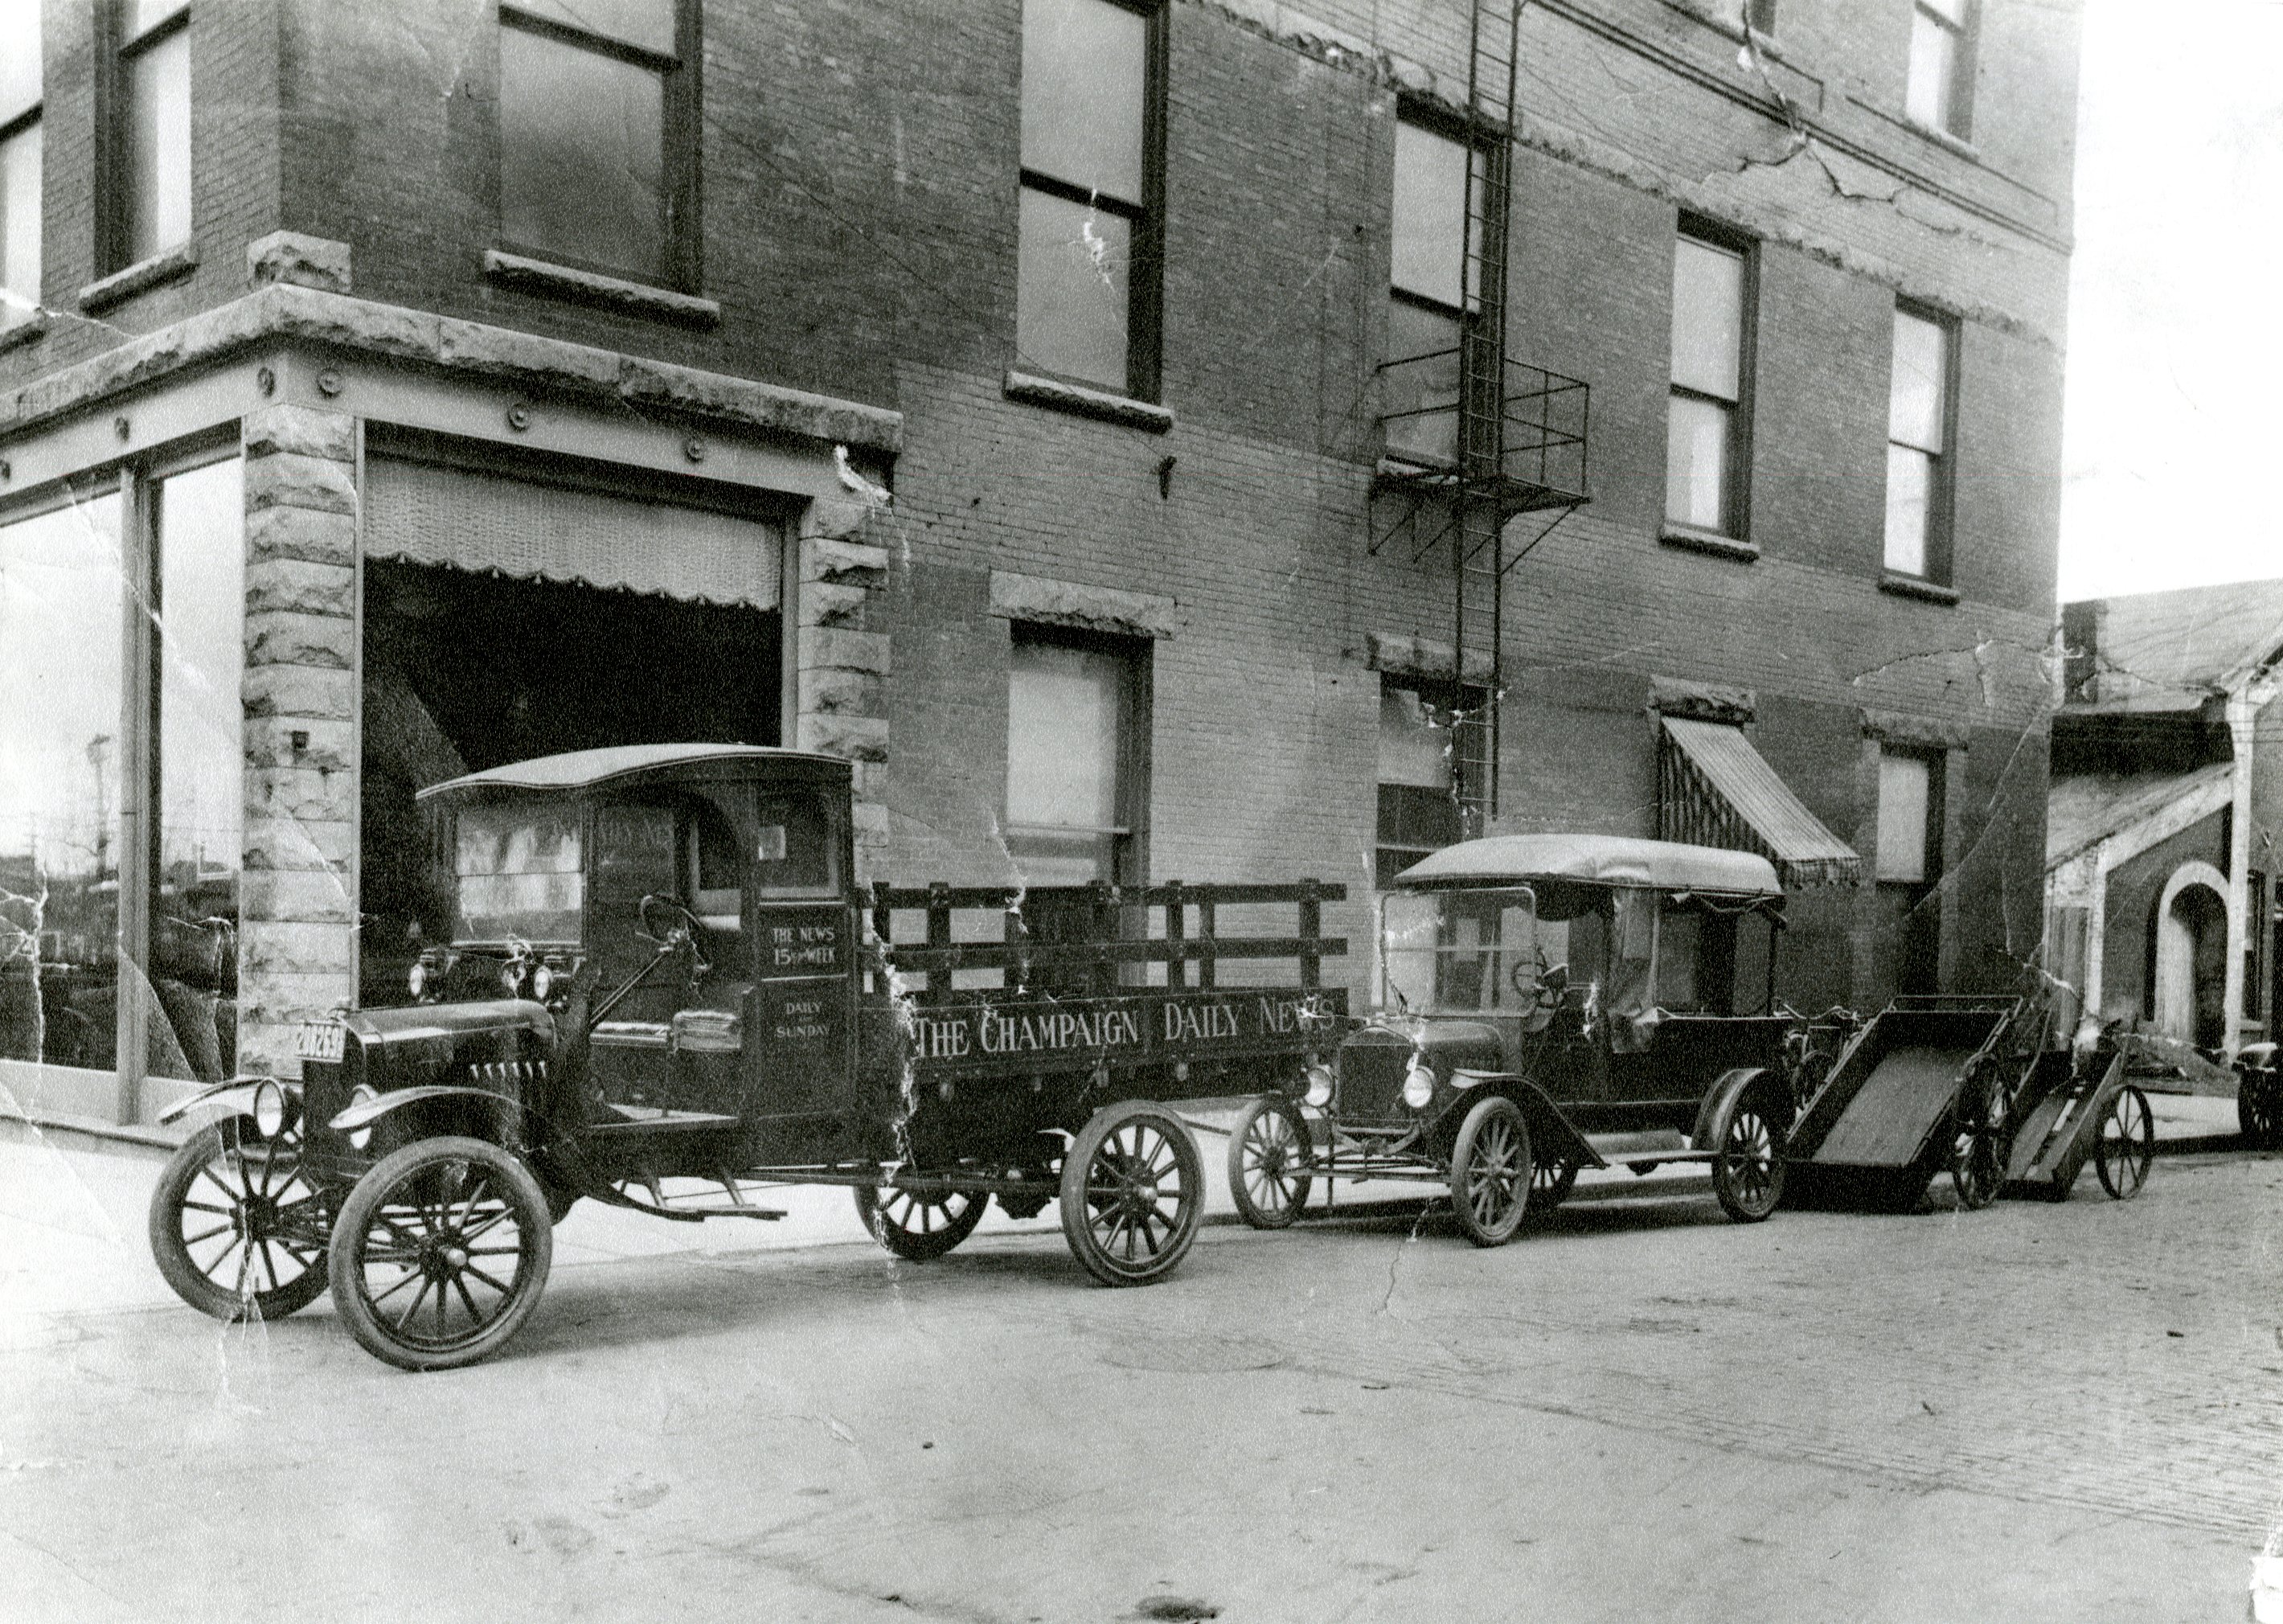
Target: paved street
[{"x": 1637, "y": 1411}]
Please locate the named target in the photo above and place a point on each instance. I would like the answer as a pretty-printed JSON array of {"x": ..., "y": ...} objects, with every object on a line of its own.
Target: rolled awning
[{"x": 1714, "y": 789}]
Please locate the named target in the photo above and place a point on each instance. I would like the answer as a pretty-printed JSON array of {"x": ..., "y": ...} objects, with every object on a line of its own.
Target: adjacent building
[
  {"x": 1153, "y": 438},
  {"x": 2161, "y": 861}
]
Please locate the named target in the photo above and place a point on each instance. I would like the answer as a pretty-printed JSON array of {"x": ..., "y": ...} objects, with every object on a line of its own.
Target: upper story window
[
  {"x": 1941, "y": 55},
  {"x": 1087, "y": 291},
  {"x": 598, "y": 135},
  {"x": 1708, "y": 418},
  {"x": 148, "y": 203},
  {"x": 1430, "y": 291},
  {"x": 19, "y": 161},
  {"x": 1919, "y": 428}
]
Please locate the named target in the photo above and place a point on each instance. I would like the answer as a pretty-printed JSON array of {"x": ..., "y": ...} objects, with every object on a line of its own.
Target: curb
[{"x": 30, "y": 1126}]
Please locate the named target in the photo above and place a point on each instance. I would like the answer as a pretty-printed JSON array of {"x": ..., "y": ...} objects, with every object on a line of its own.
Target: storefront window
[
  {"x": 197, "y": 526},
  {"x": 61, "y": 705}
]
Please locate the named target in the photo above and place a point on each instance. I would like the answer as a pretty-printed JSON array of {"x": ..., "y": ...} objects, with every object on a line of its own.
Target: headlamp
[
  {"x": 1320, "y": 1086},
  {"x": 415, "y": 980},
  {"x": 510, "y": 977},
  {"x": 1419, "y": 1085},
  {"x": 543, "y": 982},
  {"x": 270, "y": 1110}
]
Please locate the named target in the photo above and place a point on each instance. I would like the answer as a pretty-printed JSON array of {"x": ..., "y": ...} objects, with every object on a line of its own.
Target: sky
[{"x": 2174, "y": 435}]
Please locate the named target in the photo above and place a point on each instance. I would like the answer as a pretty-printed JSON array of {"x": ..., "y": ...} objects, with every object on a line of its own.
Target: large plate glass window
[
  {"x": 1418, "y": 806},
  {"x": 149, "y": 195},
  {"x": 19, "y": 161},
  {"x": 598, "y": 122},
  {"x": 1705, "y": 427},
  {"x": 1918, "y": 446},
  {"x": 1087, "y": 286},
  {"x": 61, "y": 701}
]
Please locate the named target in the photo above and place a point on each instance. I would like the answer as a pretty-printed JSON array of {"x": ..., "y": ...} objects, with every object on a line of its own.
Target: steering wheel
[{"x": 681, "y": 926}]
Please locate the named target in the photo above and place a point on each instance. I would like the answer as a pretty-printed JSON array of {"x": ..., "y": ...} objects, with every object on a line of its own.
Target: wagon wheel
[
  {"x": 236, "y": 1228},
  {"x": 1550, "y": 1184},
  {"x": 1978, "y": 1155},
  {"x": 1269, "y": 1155},
  {"x": 2127, "y": 1144},
  {"x": 1133, "y": 1191},
  {"x": 1491, "y": 1171},
  {"x": 919, "y": 1228},
  {"x": 2259, "y": 1109},
  {"x": 440, "y": 1253},
  {"x": 1748, "y": 1164}
]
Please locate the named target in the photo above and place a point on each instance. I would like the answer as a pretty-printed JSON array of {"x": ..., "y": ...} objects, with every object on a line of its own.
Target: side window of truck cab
[{"x": 796, "y": 854}]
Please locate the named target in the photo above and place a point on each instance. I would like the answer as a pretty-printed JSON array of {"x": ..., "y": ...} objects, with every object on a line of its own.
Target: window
[
  {"x": 1430, "y": 291},
  {"x": 1075, "y": 768},
  {"x": 598, "y": 135},
  {"x": 1918, "y": 448},
  {"x": 1940, "y": 56},
  {"x": 149, "y": 127},
  {"x": 1908, "y": 827},
  {"x": 19, "y": 161},
  {"x": 1418, "y": 807},
  {"x": 1086, "y": 297},
  {"x": 1705, "y": 428},
  {"x": 121, "y": 779}
]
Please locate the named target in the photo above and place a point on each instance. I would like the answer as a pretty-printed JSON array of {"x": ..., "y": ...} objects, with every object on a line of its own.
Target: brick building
[
  {"x": 2161, "y": 865},
  {"x": 1064, "y": 408}
]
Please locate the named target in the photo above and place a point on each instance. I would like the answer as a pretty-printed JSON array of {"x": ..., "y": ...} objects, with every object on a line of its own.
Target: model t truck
[
  {"x": 660, "y": 974},
  {"x": 1549, "y": 1002}
]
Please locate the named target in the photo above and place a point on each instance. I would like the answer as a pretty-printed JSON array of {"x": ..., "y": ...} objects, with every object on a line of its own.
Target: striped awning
[{"x": 1714, "y": 789}]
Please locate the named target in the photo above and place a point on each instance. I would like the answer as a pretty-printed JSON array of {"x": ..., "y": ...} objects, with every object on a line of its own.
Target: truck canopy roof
[
  {"x": 579, "y": 769},
  {"x": 1594, "y": 859}
]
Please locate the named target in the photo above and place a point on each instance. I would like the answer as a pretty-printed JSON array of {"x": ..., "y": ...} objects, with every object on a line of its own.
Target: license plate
[{"x": 319, "y": 1040}]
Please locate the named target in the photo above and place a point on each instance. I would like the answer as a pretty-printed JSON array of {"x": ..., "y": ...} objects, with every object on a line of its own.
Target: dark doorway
[{"x": 463, "y": 671}]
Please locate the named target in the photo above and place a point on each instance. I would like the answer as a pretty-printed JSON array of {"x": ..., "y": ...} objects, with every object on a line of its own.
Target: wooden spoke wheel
[
  {"x": 2127, "y": 1144},
  {"x": 236, "y": 1228},
  {"x": 1978, "y": 1166},
  {"x": 1133, "y": 1192},
  {"x": 1491, "y": 1171},
  {"x": 1748, "y": 1165},
  {"x": 2259, "y": 1108},
  {"x": 919, "y": 1228},
  {"x": 440, "y": 1253},
  {"x": 1550, "y": 1184},
  {"x": 1269, "y": 1158}
]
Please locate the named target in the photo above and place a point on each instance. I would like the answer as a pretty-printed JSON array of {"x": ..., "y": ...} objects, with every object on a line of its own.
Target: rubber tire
[
  {"x": 1189, "y": 1208},
  {"x": 168, "y": 1250},
  {"x": 536, "y": 1255},
  {"x": 1487, "y": 1116},
  {"x": 924, "y": 1247},
  {"x": 2259, "y": 1109},
  {"x": 1550, "y": 1184},
  {"x": 1239, "y": 1191},
  {"x": 1737, "y": 1198}
]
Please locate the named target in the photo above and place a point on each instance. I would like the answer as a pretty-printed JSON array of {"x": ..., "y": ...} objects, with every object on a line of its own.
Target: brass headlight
[
  {"x": 1320, "y": 1086},
  {"x": 270, "y": 1110},
  {"x": 1419, "y": 1085},
  {"x": 364, "y": 1094}
]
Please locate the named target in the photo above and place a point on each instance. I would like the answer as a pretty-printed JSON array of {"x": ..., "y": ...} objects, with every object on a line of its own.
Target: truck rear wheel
[
  {"x": 1133, "y": 1192},
  {"x": 918, "y": 1229}
]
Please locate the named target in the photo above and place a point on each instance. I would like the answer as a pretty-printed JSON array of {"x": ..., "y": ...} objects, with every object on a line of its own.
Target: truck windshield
[
  {"x": 518, "y": 874},
  {"x": 1459, "y": 952}
]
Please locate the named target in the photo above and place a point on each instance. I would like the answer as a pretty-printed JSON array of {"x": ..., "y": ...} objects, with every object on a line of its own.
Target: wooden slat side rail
[
  {"x": 884, "y": 896},
  {"x": 912, "y": 957}
]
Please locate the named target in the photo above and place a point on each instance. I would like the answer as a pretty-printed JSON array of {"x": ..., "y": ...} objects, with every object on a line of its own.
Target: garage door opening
[{"x": 465, "y": 671}]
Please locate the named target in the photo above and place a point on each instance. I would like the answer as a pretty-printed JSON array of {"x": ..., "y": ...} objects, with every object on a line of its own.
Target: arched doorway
[{"x": 2188, "y": 984}]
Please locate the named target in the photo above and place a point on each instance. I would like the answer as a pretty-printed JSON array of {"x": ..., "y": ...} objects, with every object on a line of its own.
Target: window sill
[
  {"x": 139, "y": 278},
  {"x": 1035, "y": 390},
  {"x": 1734, "y": 29},
  {"x": 1690, "y": 539},
  {"x": 1942, "y": 138},
  {"x": 1917, "y": 587},
  {"x": 28, "y": 330},
  {"x": 530, "y": 276}
]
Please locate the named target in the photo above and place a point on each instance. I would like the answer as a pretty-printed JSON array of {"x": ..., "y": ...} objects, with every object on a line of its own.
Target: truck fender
[
  {"x": 1551, "y": 1136},
  {"x": 505, "y": 1116},
  {"x": 2255, "y": 1057},
  {"x": 236, "y": 1095},
  {"x": 1732, "y": 1086}
]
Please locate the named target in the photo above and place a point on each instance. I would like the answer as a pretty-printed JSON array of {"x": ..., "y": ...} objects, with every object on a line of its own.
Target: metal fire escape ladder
[
  {"x": 1517, "y": 436},
  {"x": 1479, "y": 531}
]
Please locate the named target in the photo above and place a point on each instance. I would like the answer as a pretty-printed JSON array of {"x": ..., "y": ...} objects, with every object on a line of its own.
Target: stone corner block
[
  {"x": 854, "y": 738},
  {"x": 305, "y": 262},
  {"x": 302, "y": 430}
]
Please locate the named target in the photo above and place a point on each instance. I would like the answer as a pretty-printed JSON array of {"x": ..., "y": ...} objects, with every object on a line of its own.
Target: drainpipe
[{"x": 2242, "y": 710}]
